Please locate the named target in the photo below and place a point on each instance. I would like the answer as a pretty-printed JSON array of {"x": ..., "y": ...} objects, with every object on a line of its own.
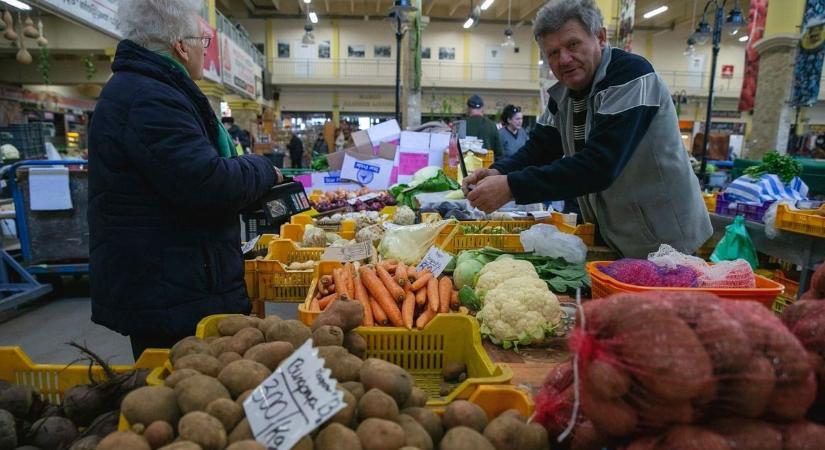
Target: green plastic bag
[{"x": 736, "y": 244}]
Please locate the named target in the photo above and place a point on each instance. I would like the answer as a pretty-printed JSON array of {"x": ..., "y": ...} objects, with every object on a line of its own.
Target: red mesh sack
[
  {"x": 735, "y": 434},
  {"x": 806, "y": 320}
]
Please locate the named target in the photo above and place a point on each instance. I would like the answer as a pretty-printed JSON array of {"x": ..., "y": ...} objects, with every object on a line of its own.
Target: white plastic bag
[
  {"x": 409, "y": 243},
  {"x": 547, "y": 240}
]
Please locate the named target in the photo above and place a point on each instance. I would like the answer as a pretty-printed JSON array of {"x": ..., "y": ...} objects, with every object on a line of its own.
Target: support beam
[
  {"x": 455, "y": 7},
  {"x": 501, "y": 8},
  {"x": 277, "y": 4},
  {"x": 528, "y": 9},
  {"x": 352, "y": 6},
  {"x": 326, "y": 5},
  {"x": 377, "y": 6},
  {"x": 301, "y": 6},
  {"x": 430, "y": 7}
]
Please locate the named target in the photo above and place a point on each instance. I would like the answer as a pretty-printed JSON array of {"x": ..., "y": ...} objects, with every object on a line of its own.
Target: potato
[
  {"x": 52, "y": 433},
  {"x": 230, "y": 325},
  {"x": 513, "y": 413},
  {"x": 218, "y": 345},
  {"x": 249, "y": 444},
  {"x": 228, "y": 357},
  {"x": 178, "y": 375},
  {"x": 464, "y": 438},
  {"x": 534, "y": 437},
  {"x": 355, "y": 344},
  {"x": 205, "y": 364},
  {"x": 202, "y": 429},
  {"x": 804, "y": 436},
  {"x": 227, "y": 411},
  {"x": 377, "y": 404},
  {"x": 245, "y": 339},
  {"x": 123, "y": 440},
  {"x": 747, "y": 433},
  {"x": 346, "y": 315},
  {"x": 606, "y": 381},
  {"x": 451, "y": 371},
  {"x": 749, "y": 393},
  {"x": 150, "y": 403},
  {"x": 609, "y": 417},
  {"x": 254, "y": 320},
  {"x": 354, "y": 387},
  {"x": 463, "y": 413},
  {"x": 417, "y": 398},
  {"x": 683, "y": 437},
  {"x": 241, "y": 432},
  {"x": 304, "y": 444},
  {"x": 189, "y": 346},
  {"x": 242, "y": 398},
  {"x": 391, "y": 379},
  {"x": 267, "y": 322},
  {"x": 159, "y": 433},
  {"x": 346, "y": 415},
  {"x": 243, "y": 375},
  {"x": 8, "y": 433},
  {"x": 343, "y": 365},
  {"x": 18, "y": 400},
  {"x": 337, "y": 437},
  {"x": 270, "y": 354},
  {"x": 380, "y": 434},
  {"x": 429, "y": 420},
  {"x": 181, "y": 445},
  {"x": 86, "y": 443},
  {"x": 791, "y": 401},
  {"x": 197, "y": 392},
  {"x": 504, "y": 432},
  {"x": 328, "y": 335},
  {"x": 292, "y": 331},
  {"x": 417, "y": 436}
]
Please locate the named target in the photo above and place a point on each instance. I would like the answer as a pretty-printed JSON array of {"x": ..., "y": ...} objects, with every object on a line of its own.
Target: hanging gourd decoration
[
  {"x": 41, "y": 41},
  {"x": 23, "y": 55},
  {"x": 9, "y": 34},
  {"x": 29, "y": 30}
]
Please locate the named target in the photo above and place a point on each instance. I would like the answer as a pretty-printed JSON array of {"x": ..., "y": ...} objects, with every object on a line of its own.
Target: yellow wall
[{"x": 784, "y": 16}]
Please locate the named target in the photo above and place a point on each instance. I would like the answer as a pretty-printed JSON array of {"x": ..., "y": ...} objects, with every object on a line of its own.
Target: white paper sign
[
  {"x": 436, "y": 260},
  {"x": 372, "y": 173},
  {"x": 49, "y": 189},
  {"x": 296, "y": 399},
  {"x": 363, "y": 198},
  {"x": 98, "y": 14},
  {"x": 250, "y": 245},
  {"x": 349, "y": 253}
]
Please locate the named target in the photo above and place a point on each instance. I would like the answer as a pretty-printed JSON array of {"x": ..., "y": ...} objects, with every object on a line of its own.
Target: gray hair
[
  {"x": 158, "y": 24},
  {"x": 552, "y": 16}
]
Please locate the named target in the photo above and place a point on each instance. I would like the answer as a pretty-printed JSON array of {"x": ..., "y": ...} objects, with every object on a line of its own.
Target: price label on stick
[
  {"x": 250, "y": 245},
  {"x": 296, "y": 399},
  {"x": 436, "y": 260}
]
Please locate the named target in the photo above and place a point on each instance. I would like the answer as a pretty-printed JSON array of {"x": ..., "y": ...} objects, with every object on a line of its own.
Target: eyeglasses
[{"x": 205, "y": 40}]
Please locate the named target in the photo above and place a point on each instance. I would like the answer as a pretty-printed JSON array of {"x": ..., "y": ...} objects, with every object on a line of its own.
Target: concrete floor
[{"x": 43, "y": 328}]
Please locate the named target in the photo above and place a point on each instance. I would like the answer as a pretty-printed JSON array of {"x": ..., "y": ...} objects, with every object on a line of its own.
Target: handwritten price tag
[
  {"x": 296, "y": 399},
  {"x": 436, "y": 260},
  {"x": 250, "y": 245}
]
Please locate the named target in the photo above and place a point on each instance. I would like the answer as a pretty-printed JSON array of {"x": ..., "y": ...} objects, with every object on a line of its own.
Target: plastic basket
[
  {"x": 52, "y": 380},
  {"x": 791, "y": 286},
  {"x": 710, "y": 201},
  {"x": 452, "y": 172},
  {"x": 249, "y": 265},
  {"x": 346, "y": 229},
  {"x": 586, "y": 231},
  {"x": 275, "y": 282},
  {"x": 782, "y": 302},
  {"x": 447, "y": 338},
  {"x": 726, "y": 207},
  {"x": 603, "y": 285},
  {"x": 801, "y": 221}
]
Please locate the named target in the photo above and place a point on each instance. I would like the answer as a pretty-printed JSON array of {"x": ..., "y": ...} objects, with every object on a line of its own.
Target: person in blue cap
[{"x": 481, "y": 127}]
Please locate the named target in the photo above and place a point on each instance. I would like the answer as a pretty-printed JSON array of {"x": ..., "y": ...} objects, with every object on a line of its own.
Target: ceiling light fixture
[
  {"x": 17, "y": 4},
  {"x": 744, "y": 38},
  {"x": 487, "y": 4},
  {"x": 508, "y": 32},
  {"x": 475, "y": 16},
  {"x": 469, "y": 22},
  {"x": 307, "y": 1},
  {"x": 655, "y": 12},
  {"x": 313, "y": 17},
  {"x": 309, "y": 38}
]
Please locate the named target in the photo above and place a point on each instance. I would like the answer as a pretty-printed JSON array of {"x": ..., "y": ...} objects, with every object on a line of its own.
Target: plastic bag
[
  {"x": 547, "y": 240},
  {"x": 736, "y": 244},
  {"x": 409, "y": 243}
]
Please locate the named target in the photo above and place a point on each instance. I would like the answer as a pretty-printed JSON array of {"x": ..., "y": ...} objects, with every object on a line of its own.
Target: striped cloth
[{"x": 767, "y": 188}]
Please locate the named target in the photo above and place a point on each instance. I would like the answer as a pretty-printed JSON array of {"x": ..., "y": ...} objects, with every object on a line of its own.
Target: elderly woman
[{"x": 166, "y": 185}]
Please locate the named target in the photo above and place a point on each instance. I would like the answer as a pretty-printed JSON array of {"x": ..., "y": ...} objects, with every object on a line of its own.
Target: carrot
[
  {"x": 314, "y": 306},
  {"x": 454, "y": 303},
  {"x": 380, "y": 317},
  {"x": 338, "y": 280},
  {"x": 412, "y": 274},
  {"x": 350, "y": 272},
  {"x": 408, "y": 310},
  {"x": 326, "y": 301},
  {"x": 401, "y": 274},
  {"x": 422, "y": 281},
  {"x": 382, "y": 296},
  {"x": 424, "y": 318},
  {"x": 388, "y": 262},
  {"x": 432, "y": 294},
  {"x": 421, "y": 297},
  {"x": 445, "y": 294},
  {"x": 363, "y": 298},
  {"x": 326, "y": 280},
  {"x": 393, "y": 287}
]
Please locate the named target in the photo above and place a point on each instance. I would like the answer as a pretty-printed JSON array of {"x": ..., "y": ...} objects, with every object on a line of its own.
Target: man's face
[
  {"x": 195, "y": 63},
  {"x": 574, "y": 54}
]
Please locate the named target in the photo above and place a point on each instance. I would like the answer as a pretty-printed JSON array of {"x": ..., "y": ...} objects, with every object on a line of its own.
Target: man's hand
[
  {"x": 475, "y": 177},
  {"x": 279, "y": 177},
  {"x": 491, "y": 193}
]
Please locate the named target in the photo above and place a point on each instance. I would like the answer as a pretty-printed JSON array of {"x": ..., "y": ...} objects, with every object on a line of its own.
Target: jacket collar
[{"x": 559, "y": 92}]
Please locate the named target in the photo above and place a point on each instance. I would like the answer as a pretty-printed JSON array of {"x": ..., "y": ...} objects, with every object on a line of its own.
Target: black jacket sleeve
[{"x": 168, "y": 147}]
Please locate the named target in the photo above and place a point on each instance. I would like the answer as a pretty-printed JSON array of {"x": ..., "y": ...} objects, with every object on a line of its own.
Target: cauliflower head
[
  {"x": 496, "y": 272},
  {"x": 404, "y": 215},
  {"x": 314, "y": 237},
  {"x": 519, "y": 311}
]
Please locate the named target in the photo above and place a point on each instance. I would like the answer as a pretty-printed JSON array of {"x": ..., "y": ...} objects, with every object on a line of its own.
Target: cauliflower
[
  {"x": 372, "y": 234},
  {"x": 496, "y": 272},
  {"x": 519, "y": 311},
  {"x": 314, "y": 237},
  {"x": 404, "y": 215}
]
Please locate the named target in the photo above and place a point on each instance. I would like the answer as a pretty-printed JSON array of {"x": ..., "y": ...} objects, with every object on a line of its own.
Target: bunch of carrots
[{"x": 390, "y": 292}]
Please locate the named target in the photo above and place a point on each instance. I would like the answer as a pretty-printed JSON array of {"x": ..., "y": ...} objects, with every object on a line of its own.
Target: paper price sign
[
  {"x": 250, "y": 245},
  {"x": 436, "y": 260},
  {"x": 296, "y": 399}
]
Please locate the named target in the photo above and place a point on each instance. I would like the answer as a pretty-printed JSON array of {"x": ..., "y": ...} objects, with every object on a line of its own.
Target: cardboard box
[
  {"x": 335, "y": 160},
  {"x": 418, "y": 150},
  {"x": 388, "y": 131},
  {"x": 362, "y": 142},
  {"x": 326, "y": 181},
  {"x": 369, "y": 170}
]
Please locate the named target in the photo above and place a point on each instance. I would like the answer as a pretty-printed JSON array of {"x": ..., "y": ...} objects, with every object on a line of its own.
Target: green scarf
[{"x": 226, "y": 145}]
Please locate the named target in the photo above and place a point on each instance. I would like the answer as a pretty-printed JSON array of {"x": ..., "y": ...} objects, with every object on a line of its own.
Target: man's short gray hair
[
  {"x": 158, "y": 24},
  {"x": 552, "y": 16}
]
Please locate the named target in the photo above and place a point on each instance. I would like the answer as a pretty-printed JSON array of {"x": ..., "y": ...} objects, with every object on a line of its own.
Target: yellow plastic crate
[
  {"x": 346, "y": 229},
  {"x": 52, "y": 380},
  {"x": 801, "y": 221},
  {"x": 507, "y": 242},
  {"x": 452, "y": 172},
  {"x": 447, "y": 338},
  {"x": 275, "y": 282},
  {"x": 249, "y": 266},
  {"x": 710, "y": 201}
]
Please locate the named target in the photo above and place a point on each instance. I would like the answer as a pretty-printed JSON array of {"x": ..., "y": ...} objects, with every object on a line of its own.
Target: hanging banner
[
  {"x": 239, "y": 70},
  {"x": 808, "y": 67},
  {"x": 212, "y": 56},
  {"x": 627, "y": 12},
  {"x": 756, "y": 28},
  {"x": 97, "y": 14}
]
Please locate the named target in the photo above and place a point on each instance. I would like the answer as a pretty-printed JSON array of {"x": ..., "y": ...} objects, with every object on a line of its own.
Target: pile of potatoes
[{"x": 201, "y": 405}]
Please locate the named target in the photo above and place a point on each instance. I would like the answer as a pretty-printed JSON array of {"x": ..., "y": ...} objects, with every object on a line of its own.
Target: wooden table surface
[{"x": 530, "y": 365}]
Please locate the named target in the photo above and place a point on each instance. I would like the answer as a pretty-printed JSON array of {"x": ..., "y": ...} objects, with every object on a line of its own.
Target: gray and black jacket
[{"x": 632, "y": 176}]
